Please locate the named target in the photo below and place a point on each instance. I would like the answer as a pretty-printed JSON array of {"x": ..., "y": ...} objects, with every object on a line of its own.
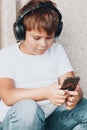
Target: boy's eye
[
  {"x": 36, "y": 38},
  {"x": 49, "y": 37}
]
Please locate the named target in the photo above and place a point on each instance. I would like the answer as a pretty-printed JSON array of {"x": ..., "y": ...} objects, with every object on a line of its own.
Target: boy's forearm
[{"x": 17, "y": 94}]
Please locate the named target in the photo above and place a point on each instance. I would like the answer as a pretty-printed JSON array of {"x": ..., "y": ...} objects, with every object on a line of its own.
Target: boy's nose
[{"x": 43, "y": 43}]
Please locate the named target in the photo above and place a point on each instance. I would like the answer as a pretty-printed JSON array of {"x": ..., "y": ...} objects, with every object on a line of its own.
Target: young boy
[{"x": 32, "y": 72}]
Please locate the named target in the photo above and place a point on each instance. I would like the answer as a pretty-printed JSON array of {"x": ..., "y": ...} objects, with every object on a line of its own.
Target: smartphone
[{"x": 70, "y": 83}]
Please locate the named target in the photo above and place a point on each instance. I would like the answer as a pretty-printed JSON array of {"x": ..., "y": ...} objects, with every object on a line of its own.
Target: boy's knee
[{"x": 28, "y": 111}]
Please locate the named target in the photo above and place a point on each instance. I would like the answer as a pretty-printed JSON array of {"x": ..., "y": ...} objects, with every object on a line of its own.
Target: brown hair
[{"x": 40, "y": 18}]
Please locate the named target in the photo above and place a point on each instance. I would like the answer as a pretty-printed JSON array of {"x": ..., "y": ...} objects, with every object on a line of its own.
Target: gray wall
[{"x": 73, "y": 37}]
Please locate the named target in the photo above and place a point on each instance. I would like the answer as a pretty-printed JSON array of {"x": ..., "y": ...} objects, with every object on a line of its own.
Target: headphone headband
[{"x": 41, "y": 5}]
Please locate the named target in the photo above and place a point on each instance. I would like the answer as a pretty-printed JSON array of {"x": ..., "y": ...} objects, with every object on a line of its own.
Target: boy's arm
[{"x": 10, "y": 95}]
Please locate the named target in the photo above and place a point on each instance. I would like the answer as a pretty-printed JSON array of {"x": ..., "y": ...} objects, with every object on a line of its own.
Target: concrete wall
[{"x": 73, "y": 37}]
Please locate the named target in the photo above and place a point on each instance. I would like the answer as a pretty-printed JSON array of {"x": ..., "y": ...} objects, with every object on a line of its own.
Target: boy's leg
[
  {"x": 24, "y": 115},
  {"x": 62, "y": 119},
  {"x": 0, "y": 126}
]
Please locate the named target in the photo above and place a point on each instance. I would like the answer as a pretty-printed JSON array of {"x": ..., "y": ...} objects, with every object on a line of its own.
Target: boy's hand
[
  {"x": 73, "y": 98},
  {"x": 56, "y": 95}
]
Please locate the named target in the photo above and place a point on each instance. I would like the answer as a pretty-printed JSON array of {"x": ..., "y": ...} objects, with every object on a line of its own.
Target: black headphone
[{"x": 19, "y": 29}]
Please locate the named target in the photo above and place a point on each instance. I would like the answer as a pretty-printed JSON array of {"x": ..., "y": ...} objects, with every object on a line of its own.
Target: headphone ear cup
[
  {"x": 19, "y": 31},
  {"x": 59, "y": 30}
]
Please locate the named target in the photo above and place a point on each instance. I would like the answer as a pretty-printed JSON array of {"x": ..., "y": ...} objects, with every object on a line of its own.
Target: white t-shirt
[{"x": 31, "y": 71}]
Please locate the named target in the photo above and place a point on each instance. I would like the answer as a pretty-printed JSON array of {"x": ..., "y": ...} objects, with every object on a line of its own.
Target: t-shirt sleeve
[
  {"x": 63, "y": 63},
  {"x": 6, "y": 65}
]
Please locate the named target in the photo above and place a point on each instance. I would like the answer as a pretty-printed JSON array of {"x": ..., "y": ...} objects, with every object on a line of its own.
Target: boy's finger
[{"x": 73, "y": 93}]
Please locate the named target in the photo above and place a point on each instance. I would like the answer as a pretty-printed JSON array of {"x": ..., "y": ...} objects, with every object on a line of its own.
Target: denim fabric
[
  {"x": 62, "y": 119},
  {"x": 0, "y": 126},
  {"x": 24, "y": 115},
  {"x": 28, "y": 115}
]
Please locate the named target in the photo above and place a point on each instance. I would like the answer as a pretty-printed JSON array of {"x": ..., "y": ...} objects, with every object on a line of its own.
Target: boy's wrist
[{"x": 46, "y": 91}]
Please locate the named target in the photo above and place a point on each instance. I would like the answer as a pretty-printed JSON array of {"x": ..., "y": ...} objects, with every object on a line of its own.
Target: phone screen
[{"x": 70, "y": 83}]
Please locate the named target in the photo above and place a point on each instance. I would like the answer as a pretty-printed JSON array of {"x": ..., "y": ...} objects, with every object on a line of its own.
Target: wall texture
[{"x": 73, "y": 37}]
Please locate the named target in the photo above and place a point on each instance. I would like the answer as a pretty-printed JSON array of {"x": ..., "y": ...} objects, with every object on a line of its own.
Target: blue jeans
[{"x": 28, "y": 115}]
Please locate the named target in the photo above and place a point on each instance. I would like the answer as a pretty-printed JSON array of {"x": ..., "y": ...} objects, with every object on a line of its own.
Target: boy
[{"x": 32, "y": 72}]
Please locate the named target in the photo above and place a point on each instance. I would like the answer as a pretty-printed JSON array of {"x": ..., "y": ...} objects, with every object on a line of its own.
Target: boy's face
[{"x": 37, "y": 42}]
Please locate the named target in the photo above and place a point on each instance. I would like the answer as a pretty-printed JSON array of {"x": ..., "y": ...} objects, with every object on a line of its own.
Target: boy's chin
[{"x": 40, "y": 52}]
